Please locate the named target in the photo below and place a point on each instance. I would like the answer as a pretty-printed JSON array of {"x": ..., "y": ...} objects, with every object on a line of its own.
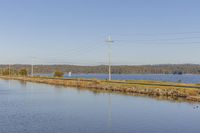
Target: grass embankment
[{"x": 152, "y": 88}]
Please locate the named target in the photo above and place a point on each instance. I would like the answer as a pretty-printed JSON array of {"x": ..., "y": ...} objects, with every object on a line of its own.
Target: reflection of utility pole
[
  {"x": 109, "y": 41},
  {"x": 109, "y": 112}
]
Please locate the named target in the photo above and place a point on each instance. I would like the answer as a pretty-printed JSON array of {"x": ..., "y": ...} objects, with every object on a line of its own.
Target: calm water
[
  {"x": 39, "y": 108},
  {"x": 185, "y": 78}
]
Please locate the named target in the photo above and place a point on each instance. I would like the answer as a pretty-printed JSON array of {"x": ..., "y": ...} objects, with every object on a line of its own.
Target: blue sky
[{"x": 74, "y": 31}]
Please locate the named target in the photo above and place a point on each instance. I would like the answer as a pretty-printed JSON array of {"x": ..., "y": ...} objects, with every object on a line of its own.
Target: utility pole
[
  {"x": 109, "y": 41},
  {"x": 32, "y": 66}
]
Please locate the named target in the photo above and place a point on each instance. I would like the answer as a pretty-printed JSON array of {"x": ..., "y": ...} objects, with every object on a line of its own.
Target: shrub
[
  {"x": 5, "y": 72},
  {"x": 23, "y": 72},
  {"x": 58, "y": 74}
]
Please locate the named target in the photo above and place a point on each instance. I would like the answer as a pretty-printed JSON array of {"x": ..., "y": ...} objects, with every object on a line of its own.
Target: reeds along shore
[{"x": 189, "y": 92}]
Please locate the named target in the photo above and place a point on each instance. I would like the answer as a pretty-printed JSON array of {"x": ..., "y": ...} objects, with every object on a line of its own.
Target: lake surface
[
  {"x": 39, "y": 108},
  {"x": 185, "y": 78}
]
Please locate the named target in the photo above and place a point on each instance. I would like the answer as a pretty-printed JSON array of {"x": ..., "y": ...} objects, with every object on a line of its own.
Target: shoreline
[{"x": 189, "y": 92}]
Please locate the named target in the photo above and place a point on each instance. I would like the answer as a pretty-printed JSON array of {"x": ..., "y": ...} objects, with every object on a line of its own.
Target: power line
[
  {"x": 153, "y": 34},
  {"x": 155, "y": 40}
]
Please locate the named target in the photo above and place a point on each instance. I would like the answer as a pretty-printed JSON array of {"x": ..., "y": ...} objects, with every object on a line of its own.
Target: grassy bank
[{"x": 190, "y": 92}]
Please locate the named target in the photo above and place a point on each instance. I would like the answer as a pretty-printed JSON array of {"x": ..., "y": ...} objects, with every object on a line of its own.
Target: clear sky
[{"x": 74, "y": 31}]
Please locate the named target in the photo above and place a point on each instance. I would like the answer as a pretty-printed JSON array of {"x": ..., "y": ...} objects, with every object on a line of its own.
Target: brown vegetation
[{"x": 58, "y": 74}]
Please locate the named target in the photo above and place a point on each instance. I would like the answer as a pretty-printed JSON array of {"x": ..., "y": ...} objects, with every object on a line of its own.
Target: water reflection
[
  {"x": 51, "y": 109},
  {"x": 109, "y": 112},
  {"x": 24, "y": 83}
]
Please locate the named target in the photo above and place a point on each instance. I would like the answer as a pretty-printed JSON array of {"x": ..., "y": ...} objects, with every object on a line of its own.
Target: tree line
[
  {"x": 11, "y": 72},
  {"x": 24, "y": 72},
  {"x": 123, "y": 69}
]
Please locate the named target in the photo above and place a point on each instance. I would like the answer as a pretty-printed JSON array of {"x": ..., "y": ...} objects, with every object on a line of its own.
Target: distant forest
[{"x": 142, "y": 69}]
